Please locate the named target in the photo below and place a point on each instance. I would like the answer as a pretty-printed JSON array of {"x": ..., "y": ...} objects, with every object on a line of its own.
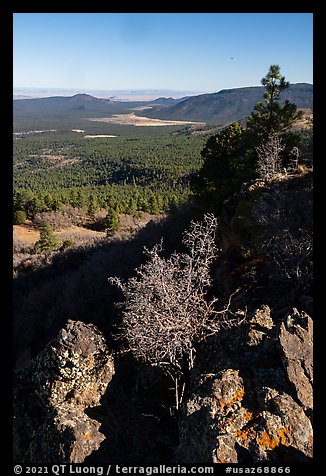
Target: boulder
[
  {"x": 295, "y": 340},
  {"x": 70, "y": 375}
]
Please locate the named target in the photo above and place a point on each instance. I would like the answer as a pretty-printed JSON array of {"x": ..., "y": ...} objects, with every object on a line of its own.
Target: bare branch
[
  {"x": 166, "y": 311},
  {"x": 269, "y": 162}
]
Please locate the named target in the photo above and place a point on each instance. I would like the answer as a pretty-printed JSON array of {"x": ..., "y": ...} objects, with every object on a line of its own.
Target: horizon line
[{"x": 23, "y": 90}]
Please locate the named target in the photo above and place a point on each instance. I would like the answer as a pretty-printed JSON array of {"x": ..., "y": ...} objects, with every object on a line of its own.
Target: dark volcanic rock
[
  {"x": 251, "y": 406},
  {"x": 295, "y": 340},
  {"x": 266, "y": 239},
  {"x": 68, "y": 376}
]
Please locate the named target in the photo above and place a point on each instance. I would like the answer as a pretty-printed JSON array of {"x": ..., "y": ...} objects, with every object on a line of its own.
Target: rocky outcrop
[
  {"x": 252, "y": 396},
  {"x": 265, "y": 235},
  {"x": 70, "y": 375},
  {"x": 295, "y": 340}
]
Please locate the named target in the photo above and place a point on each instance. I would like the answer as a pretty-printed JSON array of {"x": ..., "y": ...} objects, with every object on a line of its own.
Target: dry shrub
[
  {"x": 67, "y": 217},
  {"x": 269, "y": 161},
  {"x": 166, "y": 311}
]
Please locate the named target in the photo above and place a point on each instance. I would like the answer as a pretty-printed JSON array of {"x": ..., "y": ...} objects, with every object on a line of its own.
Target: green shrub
[
  {"x": 66, "y": 244},
  {"x": 47, "y": 242},
  {"x": 19, "y": 217}
]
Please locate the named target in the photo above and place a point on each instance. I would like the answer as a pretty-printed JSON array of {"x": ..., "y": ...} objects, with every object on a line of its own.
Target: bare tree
[
  {"x": 294, "y": 159},
  {"x": 269, "y": 162},
  {"x": 165, "y": 310}
]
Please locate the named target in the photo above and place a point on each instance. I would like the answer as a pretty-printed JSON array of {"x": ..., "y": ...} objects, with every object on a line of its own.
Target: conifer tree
[
  {"x": 226, "y": 165},
  {"x": 272, "y": 117},
  {"x": 19, "y": 217},
  {"x": 112, "y": 221},
  {"x": 47, "y": 242}
]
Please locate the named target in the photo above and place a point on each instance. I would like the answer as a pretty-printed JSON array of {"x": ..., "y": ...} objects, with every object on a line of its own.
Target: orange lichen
[
  {"x": 91, "y": 361},
  {"x": 248, "y": 416},
  {"x": 283, "y": 434},
  {"x": 267, "y": 442},
  {"x": 270, "y": 443},
  {"x": 237, "y": 396},
  {"x": 87, "y": 436},
  {"x": 245, "y": 435},
  {"x": 222, "y": 460}
]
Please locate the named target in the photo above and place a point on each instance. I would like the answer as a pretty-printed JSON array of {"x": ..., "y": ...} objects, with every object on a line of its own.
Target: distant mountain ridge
[
  {"x": 168, "y": 101},
  {"x": 60, "y": 109},
  {"x": 227, "y": 105},
  {"x": 83, "y": 101}
]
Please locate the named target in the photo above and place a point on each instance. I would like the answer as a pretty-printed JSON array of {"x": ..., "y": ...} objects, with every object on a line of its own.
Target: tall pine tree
[{"x": 272, "y": 117}]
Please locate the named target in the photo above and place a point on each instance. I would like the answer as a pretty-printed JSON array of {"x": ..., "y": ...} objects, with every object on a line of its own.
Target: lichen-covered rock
[
  {"x": 285, "y": 424},
  {"x": 51, "y": 395},
  {"x": 250, "y": 407},
  {"x": 214, "y": 413},
  {"x": 295, "y": 340}
]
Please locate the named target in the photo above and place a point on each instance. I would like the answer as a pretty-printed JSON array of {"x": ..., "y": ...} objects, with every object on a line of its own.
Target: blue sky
[{"x": 202, "y": 52}]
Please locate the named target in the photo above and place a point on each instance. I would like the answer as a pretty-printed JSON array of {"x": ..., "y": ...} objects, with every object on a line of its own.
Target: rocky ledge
[{"x": 254, "y": 402}]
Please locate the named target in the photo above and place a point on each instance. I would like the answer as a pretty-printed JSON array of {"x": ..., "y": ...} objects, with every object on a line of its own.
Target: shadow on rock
[{"x": 135, "y": 417}]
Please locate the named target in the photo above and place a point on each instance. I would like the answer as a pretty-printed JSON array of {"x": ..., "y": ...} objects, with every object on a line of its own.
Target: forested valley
[{"x": 127, "y": 174}]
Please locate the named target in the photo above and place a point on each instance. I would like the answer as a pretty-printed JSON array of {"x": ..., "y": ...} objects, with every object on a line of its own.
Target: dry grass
[
  {"x": 76, "y": 227},
  {"x": 78, "y": 234},
  {"x": 305, "y": 122},
  {"x": 26, "y": 233},
  {"x": 73, "y": 226},
  {"x": 133, "y": 120}
]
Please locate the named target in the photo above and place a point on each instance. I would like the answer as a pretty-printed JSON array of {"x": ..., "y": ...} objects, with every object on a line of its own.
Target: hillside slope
[
  {"x": 64, "y": 107},
  {"x": 228, "y": 105},
  {"x": 250, "y": 392},
  {"x": 84, "y": 101}
]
